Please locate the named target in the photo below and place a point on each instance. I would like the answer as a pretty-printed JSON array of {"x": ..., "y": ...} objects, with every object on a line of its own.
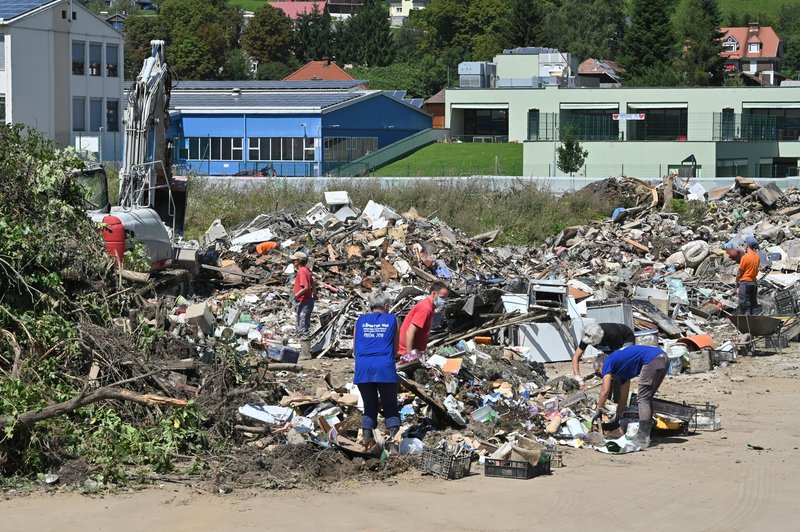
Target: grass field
[
  {"x": 247, "y": 5},
  {"x": 769, "y": 7},
  {"x": 457, "y": 159}
]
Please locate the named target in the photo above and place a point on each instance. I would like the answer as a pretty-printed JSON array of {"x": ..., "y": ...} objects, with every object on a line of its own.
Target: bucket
[
  {"x": 575, "y": 428},
  {"x": 676, "y": 355}
]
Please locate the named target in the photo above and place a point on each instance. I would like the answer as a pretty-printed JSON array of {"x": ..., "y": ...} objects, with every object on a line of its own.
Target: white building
[
  {"x": 399, "y": 10},
  {"x": 61, "y": 72}
]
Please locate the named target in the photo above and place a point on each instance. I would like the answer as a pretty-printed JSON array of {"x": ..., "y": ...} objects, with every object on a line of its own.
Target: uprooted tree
[{"x": 64, "y": 391}]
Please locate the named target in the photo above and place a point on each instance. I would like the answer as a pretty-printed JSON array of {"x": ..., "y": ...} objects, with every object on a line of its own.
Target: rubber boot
[
  {"x": 390, "y": 445},
  {"x": 642, "y": 436},
  {"x": 366, "y": 436}
]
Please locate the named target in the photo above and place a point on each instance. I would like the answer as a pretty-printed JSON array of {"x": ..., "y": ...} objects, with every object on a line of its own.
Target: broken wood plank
[
  {"x": 637, "y": 245},
  {"x": 230, "y": 272},
  {"x": 664, "y": 322}
]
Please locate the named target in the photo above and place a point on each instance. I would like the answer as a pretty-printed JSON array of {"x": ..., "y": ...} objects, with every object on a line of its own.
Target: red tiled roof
[
  {"x": 326, "y": 70},
  {"x": 599, "y": 66},
  {"x": 770, "y": 42},
  {"x": 295, "y": 9}
]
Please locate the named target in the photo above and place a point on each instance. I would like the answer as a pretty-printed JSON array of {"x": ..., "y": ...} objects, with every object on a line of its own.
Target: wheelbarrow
[{"x": 756, "y": 326}]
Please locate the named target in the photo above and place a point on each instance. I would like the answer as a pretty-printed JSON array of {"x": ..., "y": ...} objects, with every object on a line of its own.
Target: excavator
[{"x": 152, "y": 201}]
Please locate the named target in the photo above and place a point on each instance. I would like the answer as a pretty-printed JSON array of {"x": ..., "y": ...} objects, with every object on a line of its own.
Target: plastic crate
[
  {"x": 444, "y": 463},
  {"x": 556, "y": 458},
  {"x": 718, "y": 357},
  {"x": 682, "y": 411},
  {"x": 785, "y": 302},
  {"x": 776, "y": 341},
  {"x": 515, "y": 469},
  {"x": 705, "y": 418}
]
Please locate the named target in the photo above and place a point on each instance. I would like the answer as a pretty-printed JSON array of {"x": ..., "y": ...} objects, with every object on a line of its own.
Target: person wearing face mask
[{"x": 416, "y": 328}]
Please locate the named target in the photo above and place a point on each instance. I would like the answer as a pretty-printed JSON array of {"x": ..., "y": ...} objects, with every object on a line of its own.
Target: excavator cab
[{"x": 95, "y": 183}]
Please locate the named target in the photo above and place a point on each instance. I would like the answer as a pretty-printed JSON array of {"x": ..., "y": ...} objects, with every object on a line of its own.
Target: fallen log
[{"x": 101, "y": 394}]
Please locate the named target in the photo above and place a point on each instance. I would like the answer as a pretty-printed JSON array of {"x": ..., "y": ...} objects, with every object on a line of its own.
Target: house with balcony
[
  {"x": 400, "y": 10},
  {"x": 754, "y": 52},
  {"x": 640, "y": 132},
  {"x": 60, "y": 73}
]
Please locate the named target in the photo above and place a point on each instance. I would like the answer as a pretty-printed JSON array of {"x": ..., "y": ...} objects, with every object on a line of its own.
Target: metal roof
[
  {"x": 267, "y": 85},
  {"x": 265, "y": 100},
  {"x": 10, "y": 9}
]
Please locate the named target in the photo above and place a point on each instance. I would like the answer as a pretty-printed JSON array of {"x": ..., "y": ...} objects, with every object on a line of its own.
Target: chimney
[
  {"x": 326, "y": 61},
  {"x": 753, "y": 27}
]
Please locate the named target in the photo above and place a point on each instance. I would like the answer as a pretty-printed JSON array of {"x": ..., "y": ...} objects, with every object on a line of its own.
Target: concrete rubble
[{"x": 482, "y": 389}]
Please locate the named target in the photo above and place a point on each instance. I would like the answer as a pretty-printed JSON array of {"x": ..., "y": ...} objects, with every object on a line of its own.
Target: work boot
[
  {"x": 367, "y": 436},
  {"x": 390, "y": 445},
  {"x": 642, "y": 436}
]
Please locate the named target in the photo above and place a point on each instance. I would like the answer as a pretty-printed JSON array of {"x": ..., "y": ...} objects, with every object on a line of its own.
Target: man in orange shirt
[
  {"x": 746, "y": 278},
  {"x": 416, "y": 328}
]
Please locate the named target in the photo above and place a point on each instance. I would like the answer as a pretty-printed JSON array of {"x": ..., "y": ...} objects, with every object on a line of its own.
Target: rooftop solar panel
[{"x": 13, "y": 8}]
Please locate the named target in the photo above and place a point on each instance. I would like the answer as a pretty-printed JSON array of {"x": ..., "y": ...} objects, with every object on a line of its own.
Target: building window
[
  {"x": 361, "y": 146},
  {"x": 2, "y": 108},
  {"x": 730, "y": 45},
  {"x": 732, "y": 167},
  {"x": 112, "y": 115},
  {"x": 212, "y": 148},
  {"x": 95, "y": 114},
  {"x": 753, "y": 47},
  {"x": 112, "y": 60},
  {"x": 78, "y": 58},
  {"x": 95, "y": 59},
  {"x": 280, "y": 149},
  {"x": 2, "y": 51},
  {"x": 78, "y": 113},
  {"x": 533, "y": 124},
  {"x": 336, "y": 149}
]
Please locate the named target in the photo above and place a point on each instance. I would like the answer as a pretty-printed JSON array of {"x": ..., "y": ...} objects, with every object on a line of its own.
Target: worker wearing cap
[
  {"x": 647, "y": 362},
  {"x": 303, "y": 293},
  {"x": 416, "y": 328},
  {"x": 749, "y": 265},
  {"x": 607, "y": 337}
]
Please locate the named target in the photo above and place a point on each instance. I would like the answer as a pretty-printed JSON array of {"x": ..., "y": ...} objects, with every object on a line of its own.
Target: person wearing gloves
[
  {"x": 607, "y": 337},
  {"x": 376, "y": 340},
  {"x": 749, "y": 265},
  {"x": 647, "y": 362},
  {"x": 416, "y": 328},
  {"x": 303, "y": 293}
]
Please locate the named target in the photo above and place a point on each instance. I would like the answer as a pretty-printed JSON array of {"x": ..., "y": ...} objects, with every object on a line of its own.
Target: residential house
[
  {"x": 640, "y": 132},
  {"x": 400, "y": 10},
  {"x": 342, "y": 9},
  {"x": 755, "y": 52},
  {"x": 117, "y": 20},
  {"x": 324, "y": 70},
  {"x": 607, "y": 73},
  {"x": 61, "y": 73}
]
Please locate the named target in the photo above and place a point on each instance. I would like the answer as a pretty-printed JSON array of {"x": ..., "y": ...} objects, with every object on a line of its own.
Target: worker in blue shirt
[
  {"x": 375, "y": 344},
  {"x": 647, "y": 362}
]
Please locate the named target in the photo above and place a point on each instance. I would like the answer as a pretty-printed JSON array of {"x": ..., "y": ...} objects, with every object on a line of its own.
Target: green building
[{"x": 640, "y": 132}]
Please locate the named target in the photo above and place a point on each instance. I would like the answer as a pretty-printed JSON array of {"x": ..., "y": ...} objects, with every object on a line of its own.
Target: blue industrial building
[{"x": 282, "y": 128}]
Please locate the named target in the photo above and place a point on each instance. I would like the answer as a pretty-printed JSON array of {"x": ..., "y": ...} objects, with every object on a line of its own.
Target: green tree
[
  {"x": 409, "y": 39},
  {"x": 484, "y": 30},
  {"x": 526, "y": 22},
  {"x": 571, "y": 154},
  {"x": 397, "y": 76},
  {"x": 649, "y": 43},
  {"x": 275, "y": 70},
  {"x": 200, "y": 32},
  {"x": 268, "y": 37},
  {"x": 587, "y": 28},
  {"x": 139, "y": 31},
  {"x": 698, "y": 26},
  {"x": 237, "y": 65},
  {"x": 366, "y": 37},
  {"x": 788, "y": 27},
  {"x": 441, "y": 22},
  {"x": 314, "y": 35}
]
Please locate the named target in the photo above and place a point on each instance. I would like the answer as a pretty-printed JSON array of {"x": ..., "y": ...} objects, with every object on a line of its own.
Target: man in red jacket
[
  {"x": 416, "y": 328},
  {"x": 303, "y": 294}
]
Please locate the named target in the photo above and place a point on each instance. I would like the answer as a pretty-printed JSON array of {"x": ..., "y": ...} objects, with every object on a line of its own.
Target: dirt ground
[{"x": 709, "y": 481}]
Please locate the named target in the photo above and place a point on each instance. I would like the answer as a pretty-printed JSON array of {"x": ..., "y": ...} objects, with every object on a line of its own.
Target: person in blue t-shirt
[
  {"x": 375, "y": 343},
  {"x": 647, "y": 362}
]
